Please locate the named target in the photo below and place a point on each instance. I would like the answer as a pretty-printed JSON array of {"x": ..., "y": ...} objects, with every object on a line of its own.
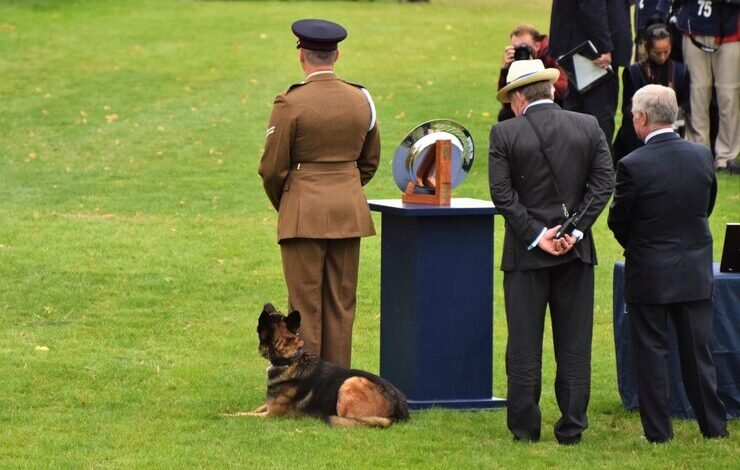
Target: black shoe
[
  {"x": 661, "y": 440},
  {"x": 569, "y": 441},
  {"x": 731, "y": 168},
  {"x": 724, "y": 435},
  {"x": 526, "y": 440}
]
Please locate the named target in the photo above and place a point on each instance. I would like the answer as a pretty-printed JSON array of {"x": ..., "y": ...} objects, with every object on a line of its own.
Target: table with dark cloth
[{"x": 724, "y": 346}]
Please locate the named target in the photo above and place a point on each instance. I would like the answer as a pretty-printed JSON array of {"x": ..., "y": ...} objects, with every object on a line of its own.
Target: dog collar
[{"x": 285, "y": 361}]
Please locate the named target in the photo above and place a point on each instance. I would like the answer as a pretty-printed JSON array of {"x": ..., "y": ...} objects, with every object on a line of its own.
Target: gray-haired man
[{"x": 665, "y": 193}]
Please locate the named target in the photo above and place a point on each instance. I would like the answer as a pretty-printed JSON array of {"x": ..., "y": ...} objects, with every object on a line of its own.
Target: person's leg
[
  {"x": 303, "y": 267},
  {"x": 693, "y": 322},
  {"x": 726, "y": 67},
  {"x": 700, "y": 70},
  {"x": 649, "y": 350},
  {"x": 601, "y": 103},
  {"x": 573, "y": 100},
  {"x": 571, "y": 312},
  {"x": 525, "y": 297},
  {"x": 339, "y": 299}
]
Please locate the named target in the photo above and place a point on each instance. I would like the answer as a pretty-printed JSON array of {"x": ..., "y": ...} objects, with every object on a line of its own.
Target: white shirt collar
[
  {"x": 538, "y": 102},
  {"x": 663, "y": 130}
]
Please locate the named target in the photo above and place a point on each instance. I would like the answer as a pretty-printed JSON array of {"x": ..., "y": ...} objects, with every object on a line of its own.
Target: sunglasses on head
[{"x": 659, "y": 32}]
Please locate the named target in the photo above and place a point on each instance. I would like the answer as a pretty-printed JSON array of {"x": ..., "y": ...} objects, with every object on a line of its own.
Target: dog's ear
[
  {"x": 264, "y": 321},
  {"x": 268, "y": 308},
  {"x": 293, "y": 321}
]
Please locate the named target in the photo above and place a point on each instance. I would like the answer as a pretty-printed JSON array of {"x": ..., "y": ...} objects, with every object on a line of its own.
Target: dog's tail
[
  {"x": 401, "y": 411},
  {"x": 394, "y": 395},
  {"x": 401, "y": 405},
  {"x": 363, "y": 422}
]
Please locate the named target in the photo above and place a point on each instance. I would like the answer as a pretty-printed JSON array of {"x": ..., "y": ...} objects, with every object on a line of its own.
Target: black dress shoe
[
  {"x": 569, "y": 441},
  {"x": 724, "y": 435}
]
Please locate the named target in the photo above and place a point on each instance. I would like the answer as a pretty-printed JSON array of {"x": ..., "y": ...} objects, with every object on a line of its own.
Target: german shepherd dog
[{"x": 300, "y": 383}]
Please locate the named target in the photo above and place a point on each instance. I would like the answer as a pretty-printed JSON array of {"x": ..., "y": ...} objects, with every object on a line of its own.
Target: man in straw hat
[
  {"x": 546, "y": 166},
  {"x": 322, "y": 146}
]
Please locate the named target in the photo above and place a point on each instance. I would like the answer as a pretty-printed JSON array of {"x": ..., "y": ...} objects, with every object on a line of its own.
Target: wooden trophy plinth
[{"x": 433, "y": 179}]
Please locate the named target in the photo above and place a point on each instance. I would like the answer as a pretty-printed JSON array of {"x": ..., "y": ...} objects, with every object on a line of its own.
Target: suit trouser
[
  {"x": 569, "y": 290},
  {"x": 321, "y": 275},
  {"x": 600, "y": 102},
  {"x": 649, "y": 347},
  {"x": 718, "y": 69}
]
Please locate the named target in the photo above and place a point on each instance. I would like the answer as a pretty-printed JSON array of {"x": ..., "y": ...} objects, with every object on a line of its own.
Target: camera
[{"x": 522, "y": 52}]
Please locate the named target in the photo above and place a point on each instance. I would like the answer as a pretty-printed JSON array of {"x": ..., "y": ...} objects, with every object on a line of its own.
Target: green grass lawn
[{"x": 137, "y": 246}]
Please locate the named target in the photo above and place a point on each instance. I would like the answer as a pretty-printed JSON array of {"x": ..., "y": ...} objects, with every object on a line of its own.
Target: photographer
[{"x": 527, "y": 43}]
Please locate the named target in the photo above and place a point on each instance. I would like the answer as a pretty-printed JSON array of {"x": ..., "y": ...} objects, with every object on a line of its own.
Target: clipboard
[{"x": 582, "y": 72}]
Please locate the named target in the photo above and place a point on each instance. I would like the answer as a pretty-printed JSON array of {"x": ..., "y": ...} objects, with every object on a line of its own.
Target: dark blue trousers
[{"x": 649, "y": 346}]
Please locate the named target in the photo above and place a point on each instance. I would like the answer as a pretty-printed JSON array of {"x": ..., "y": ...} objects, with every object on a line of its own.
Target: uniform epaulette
[
  {"x": 295, "y": 85},
  {"x": 353, "y": 84}
]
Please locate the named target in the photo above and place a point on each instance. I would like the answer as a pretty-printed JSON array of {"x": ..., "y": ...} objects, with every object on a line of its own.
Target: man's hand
[
  {"x": 508, "y": 57},
  {"x": 604, "y": 60},
  {"x": 569, "y": 241},
  {"x": 556, "y": 246}
]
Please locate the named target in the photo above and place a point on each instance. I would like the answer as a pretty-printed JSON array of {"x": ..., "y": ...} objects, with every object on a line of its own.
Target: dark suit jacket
[
  {"x": 605, "y": 22},
  {"x": 522, "y": 186},
  {"x": 665, "y": 192}
]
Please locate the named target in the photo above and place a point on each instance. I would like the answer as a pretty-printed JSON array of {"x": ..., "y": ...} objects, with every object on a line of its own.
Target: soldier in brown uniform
[{"x": 322, "y": 146}]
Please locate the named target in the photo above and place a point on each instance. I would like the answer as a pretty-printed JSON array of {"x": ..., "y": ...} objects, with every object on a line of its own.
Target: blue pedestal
[{"x": 436, "y": 302}]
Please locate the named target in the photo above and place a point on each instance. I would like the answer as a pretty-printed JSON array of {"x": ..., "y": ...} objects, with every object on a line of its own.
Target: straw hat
[{"x": 525, "y": 72}]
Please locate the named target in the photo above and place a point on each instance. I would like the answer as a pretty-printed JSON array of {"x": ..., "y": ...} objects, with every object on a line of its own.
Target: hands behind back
[{"x": 556, "y": 246}]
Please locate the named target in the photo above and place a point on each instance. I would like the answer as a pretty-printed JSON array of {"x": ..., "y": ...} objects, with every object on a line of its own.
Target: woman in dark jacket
[{"x": 656, "y": 68}]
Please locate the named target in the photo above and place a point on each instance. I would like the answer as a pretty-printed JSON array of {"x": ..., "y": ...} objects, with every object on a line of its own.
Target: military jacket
[{"x": 322, "y": 147}]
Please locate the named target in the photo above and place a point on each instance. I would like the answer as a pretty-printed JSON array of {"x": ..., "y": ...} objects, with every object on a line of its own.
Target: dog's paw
[
  {"x": 260, "y": 412},
  {"x": 260, "y": 409},
  {"x": 240, "y": 414}
]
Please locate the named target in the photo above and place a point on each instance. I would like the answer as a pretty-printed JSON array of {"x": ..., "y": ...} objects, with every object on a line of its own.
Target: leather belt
[{"x": 324, "y": 166}]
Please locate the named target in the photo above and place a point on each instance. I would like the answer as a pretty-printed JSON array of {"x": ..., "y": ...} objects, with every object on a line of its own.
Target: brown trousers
[{"x": 321, "y": 276}]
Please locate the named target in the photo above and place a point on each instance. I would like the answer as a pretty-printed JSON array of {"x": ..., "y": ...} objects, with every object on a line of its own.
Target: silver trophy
[{"x": 415, "y": 161}]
